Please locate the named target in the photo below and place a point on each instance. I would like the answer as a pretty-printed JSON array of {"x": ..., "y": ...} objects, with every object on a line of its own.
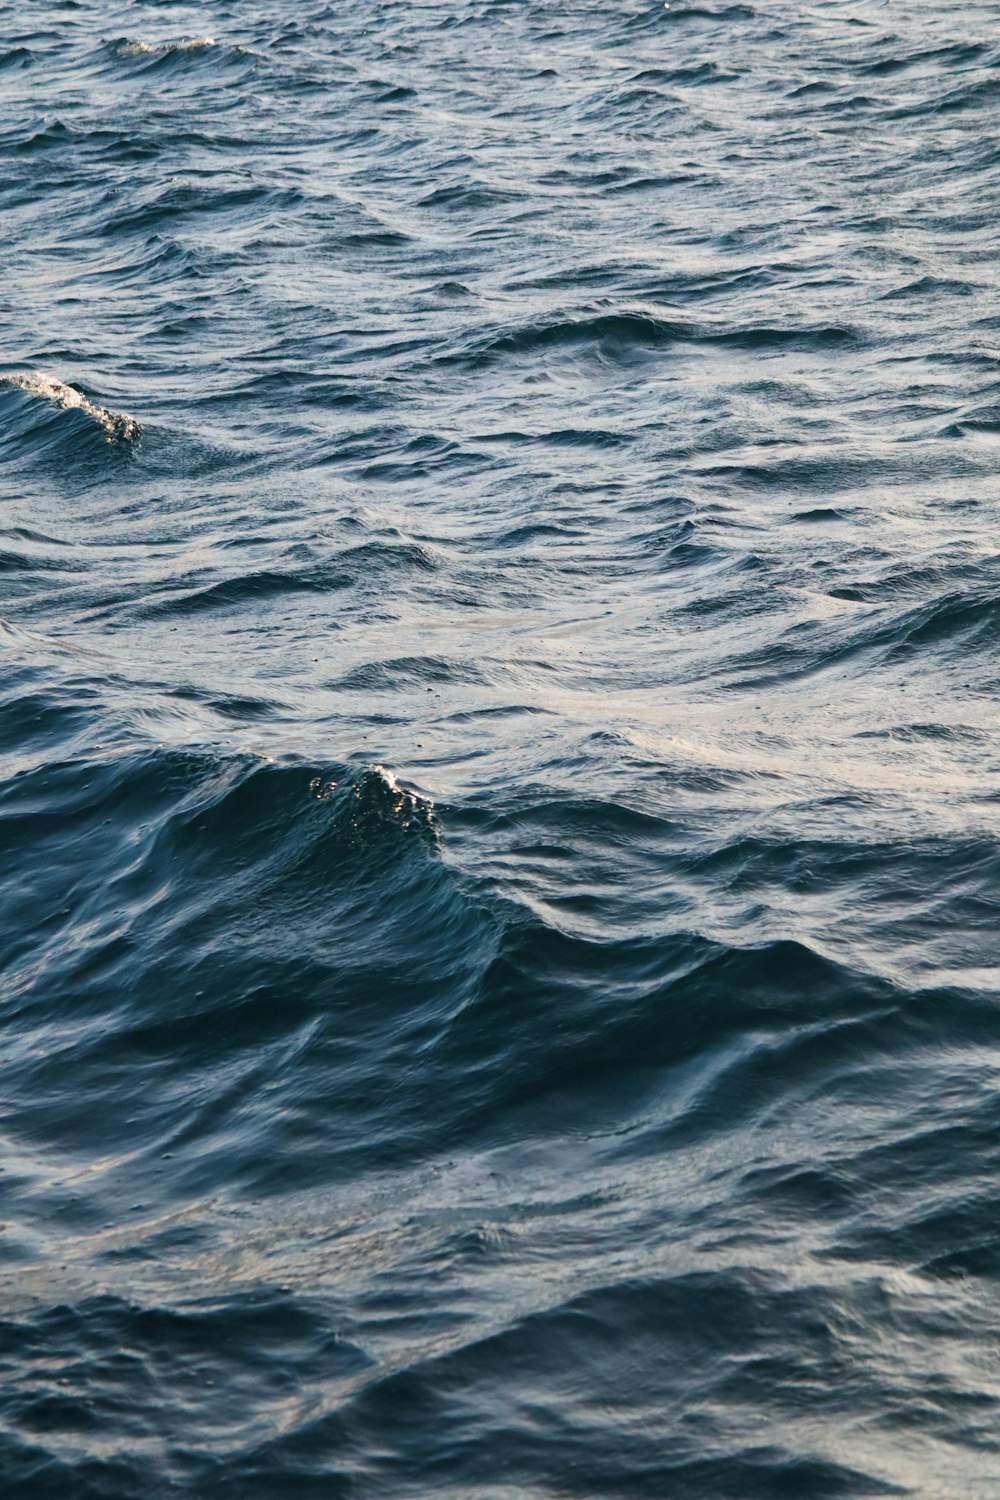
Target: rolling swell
[{"x": 498, "y": 792}]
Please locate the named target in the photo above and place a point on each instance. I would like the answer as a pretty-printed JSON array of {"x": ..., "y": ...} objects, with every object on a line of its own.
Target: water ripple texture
[{"x": 499, "y": 799}]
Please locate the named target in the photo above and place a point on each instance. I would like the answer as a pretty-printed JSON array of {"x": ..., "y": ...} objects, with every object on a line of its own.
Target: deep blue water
[{"x": 499, "y": 784}]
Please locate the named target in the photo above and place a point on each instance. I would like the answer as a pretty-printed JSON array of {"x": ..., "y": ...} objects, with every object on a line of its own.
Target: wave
[
  {"x": 214, "y": 914},
  {"x": 126, "y": 48},
  {"x": 16, "y": 57},
  {"x": 677, "y": 14},
  {"x": 35, "y": 399},
  {"x": 950, "y": 627},
  {"x": 620, "y": 335},
  {"x": 368, "y": 566},
  {"x": 980, "y": 422},
  {"x": 153, "y": 59}
]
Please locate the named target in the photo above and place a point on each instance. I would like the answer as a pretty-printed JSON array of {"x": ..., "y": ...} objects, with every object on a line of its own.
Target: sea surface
[{"x": 499, "y": 766}]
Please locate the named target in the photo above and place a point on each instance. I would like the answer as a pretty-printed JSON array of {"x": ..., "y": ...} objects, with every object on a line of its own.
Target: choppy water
[{"x": 499, "y": 610}]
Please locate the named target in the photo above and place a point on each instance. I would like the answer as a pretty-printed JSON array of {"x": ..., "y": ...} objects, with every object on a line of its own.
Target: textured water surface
[{"x": 499, "y": 863}]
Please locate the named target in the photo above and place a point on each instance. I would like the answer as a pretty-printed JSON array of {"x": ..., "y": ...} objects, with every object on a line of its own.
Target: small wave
[
  {"x": 983, "y": 422},
  {"x": 250, "y": 588},
  {"x": 157, "y": 57},
  {"x": 611, "y": 330},
  {"x": 423, "y": 671},
  {"x": 49, "y": 133},
  {"x": 672, "y": 14},
  {"x": 930, "y": 286},
  {"x": 818, "y": 514},
  {"x": 625, "y": 333},
  {"x": 126, "y": 48},
  {"x": 371, "y": 565},
  {"x": 118, "y": 427}
]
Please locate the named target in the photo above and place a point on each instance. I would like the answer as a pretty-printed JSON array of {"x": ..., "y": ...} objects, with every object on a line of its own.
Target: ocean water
[{"x": 499, "y": 781}]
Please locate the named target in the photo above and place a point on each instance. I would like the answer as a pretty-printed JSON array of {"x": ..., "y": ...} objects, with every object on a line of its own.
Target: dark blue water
[{"x": 499, "y": 787}]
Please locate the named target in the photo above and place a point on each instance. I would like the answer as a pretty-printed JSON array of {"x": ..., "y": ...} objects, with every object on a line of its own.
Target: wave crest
[
  {"x": 125, "y": 47},
  {"x": 118, "y": 427}
]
